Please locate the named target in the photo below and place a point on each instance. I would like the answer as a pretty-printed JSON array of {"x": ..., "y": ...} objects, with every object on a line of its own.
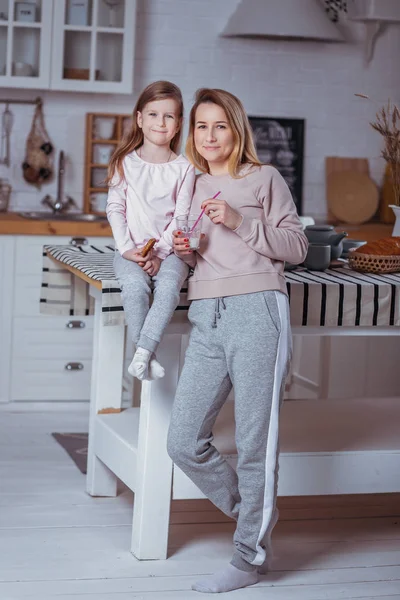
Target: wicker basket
[{"x": 372, "y": 263}]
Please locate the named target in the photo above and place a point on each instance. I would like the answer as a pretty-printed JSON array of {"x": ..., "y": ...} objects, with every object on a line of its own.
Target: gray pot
[
  {"x": 348, "y": 244},
  {"x": 326, "y": 235}
]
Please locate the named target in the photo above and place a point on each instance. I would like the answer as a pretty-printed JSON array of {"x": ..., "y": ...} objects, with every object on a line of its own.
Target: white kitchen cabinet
[
  {"x": 101, "y": 48},
  {"x": 66, "y": 47},
  {"x": 25, "y": 41},
  {"x": 7, "y": 244},
  {"x": 50, "y": 355},
  {"x": 42, "y": 357}
]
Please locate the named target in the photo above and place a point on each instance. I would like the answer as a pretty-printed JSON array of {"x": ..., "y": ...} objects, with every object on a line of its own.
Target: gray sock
[
  {"x": 226, "y": 580},
  {"x": 265, "y": 567}
]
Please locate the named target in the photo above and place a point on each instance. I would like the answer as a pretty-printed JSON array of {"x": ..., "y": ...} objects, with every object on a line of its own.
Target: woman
[{"x": 241, "y": 330}]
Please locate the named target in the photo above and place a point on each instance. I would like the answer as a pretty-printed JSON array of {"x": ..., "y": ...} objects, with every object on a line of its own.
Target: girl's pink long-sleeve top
[{"x": 145, "y": 203}]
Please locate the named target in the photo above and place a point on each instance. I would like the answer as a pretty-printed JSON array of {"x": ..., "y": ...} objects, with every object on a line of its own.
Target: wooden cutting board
[
  {"x": 352, "y": 196},
  {"x": 335, "y": 164},
  {"x": 340, "y": 163}
]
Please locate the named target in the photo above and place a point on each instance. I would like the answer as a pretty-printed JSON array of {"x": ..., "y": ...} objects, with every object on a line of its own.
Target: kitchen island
[{"x": 344, "y": 447}]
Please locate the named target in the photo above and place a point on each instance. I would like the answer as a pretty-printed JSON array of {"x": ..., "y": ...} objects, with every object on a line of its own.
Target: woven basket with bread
[{"x": 381, "y": 256}]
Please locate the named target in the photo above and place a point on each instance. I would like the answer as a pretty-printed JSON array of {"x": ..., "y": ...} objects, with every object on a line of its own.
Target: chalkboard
[{"x": 280, "y": 143}]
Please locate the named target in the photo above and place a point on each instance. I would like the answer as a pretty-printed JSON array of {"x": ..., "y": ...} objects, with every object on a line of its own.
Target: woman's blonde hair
[
  {"x": 244, "y": 151},
  {"x": 158, "y": 90}
]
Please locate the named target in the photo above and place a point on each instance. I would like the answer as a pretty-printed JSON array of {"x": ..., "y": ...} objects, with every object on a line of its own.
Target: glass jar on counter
[{"x": 5, "y": 193}]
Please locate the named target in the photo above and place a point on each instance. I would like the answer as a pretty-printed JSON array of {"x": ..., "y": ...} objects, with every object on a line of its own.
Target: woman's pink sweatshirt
[
  {"x": 144, "y": 204},
  {"x": 250, "y": 258}
]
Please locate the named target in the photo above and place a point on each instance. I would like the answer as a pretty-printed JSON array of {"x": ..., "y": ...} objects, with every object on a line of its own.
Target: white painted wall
[{"x": 178, "y": 40}]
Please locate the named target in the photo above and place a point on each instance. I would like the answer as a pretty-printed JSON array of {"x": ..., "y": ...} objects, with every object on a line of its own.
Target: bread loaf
[
  {"x": 383, "y": 247},
  {"x": 146, "y": 249}
]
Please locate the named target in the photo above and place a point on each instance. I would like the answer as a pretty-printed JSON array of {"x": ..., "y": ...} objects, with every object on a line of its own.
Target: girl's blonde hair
[
  {"x": 244, "y": 151},
  {"x": 158, "y": 90}
]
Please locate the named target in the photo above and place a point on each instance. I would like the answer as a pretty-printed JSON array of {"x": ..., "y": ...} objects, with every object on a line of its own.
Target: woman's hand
[
  {"x": 181, "y": 244},
  {"x": 152, "y": 266},
  {"x": 220, "y": 213}
]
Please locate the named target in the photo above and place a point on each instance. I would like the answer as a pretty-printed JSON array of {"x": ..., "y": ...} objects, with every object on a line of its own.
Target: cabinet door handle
[
  {"x": 74, "y": 366},
  {"x": 75, "y": 324},
  {"x": 78, "y": 241}
]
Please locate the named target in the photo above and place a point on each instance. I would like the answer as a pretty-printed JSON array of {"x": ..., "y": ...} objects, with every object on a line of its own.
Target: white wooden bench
[{"x": 326, "y": 448}]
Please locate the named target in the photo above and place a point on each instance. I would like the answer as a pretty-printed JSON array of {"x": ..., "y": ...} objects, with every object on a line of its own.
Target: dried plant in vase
[{"x": 387, "y": 123}]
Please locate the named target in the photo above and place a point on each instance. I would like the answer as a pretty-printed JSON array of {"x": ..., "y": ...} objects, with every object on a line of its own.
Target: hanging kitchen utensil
[
  {"x": 7, "y": 120},
  {"x": 38, "y": 164}
]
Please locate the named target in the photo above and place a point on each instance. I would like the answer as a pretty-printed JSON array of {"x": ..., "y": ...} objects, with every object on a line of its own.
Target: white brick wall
[{"x": 178, "y": 40}]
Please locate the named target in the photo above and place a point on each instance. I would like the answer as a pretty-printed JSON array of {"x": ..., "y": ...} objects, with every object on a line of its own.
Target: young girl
[
  {"x": 149, "y": 184},
  {"x": 241, "y": 329}
]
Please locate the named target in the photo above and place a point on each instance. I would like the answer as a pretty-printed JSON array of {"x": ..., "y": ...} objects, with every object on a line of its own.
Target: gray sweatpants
[
  {"x": 244, "y": 341},
  {"x": 147, "y": 324}
]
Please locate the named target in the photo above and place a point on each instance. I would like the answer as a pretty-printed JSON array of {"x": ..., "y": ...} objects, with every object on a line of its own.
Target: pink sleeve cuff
[
  {"x": 244, "y": 229},
  {"x": 125, "y": 247}
]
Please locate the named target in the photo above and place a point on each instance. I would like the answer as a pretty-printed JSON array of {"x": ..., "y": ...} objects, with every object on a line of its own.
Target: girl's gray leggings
[{"x": 147, "y": 324}]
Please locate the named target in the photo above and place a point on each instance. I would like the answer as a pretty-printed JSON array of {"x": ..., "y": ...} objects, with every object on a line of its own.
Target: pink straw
[{"x": 202, "y": 213}]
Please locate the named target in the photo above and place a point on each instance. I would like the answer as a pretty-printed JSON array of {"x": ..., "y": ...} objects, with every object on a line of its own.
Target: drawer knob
[
  {"x": 74, "y": 366},
  {"x": 75, "y": 325},
  {"x": 78, "y": 241}
]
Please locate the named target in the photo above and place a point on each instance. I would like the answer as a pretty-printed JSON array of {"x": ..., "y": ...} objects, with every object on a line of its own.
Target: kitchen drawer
[
  {"x": 50, "y": 337},
  {"x": 47, "y": 379}
]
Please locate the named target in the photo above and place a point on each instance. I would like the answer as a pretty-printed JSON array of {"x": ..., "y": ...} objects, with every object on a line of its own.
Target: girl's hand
[
  {"x": 220, "y": 213},
  {"x": 152, "y": 266},
  {"x": 181, "y": 245},
  {"x": 135, "y": 256}
]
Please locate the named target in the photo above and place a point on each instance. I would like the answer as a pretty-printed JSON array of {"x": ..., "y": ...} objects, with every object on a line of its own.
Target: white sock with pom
[
  {"x": 156, "y": 371},
  {"x": 139, "y": 366}
]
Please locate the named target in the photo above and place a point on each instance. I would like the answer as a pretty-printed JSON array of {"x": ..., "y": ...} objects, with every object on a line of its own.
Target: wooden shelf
[{"x": 90, "y": 142}]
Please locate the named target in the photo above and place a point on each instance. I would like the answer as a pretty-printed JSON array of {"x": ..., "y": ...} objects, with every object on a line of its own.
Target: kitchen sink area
[
  {"x": 47, "y": 216},
  {"x": 62, "y": 207}
]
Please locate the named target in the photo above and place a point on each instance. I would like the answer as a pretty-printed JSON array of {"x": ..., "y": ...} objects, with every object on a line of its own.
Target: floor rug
[{"x": 76, "y": 445}]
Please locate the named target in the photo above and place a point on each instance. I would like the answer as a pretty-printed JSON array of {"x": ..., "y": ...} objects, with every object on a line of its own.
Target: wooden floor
[{"x": 58, "y": 543}]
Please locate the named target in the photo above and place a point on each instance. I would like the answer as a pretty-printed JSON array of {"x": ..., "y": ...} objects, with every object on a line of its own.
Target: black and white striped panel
[
  {"x": 333, "y": 298},
  {"x": 343, "y": 298}
]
